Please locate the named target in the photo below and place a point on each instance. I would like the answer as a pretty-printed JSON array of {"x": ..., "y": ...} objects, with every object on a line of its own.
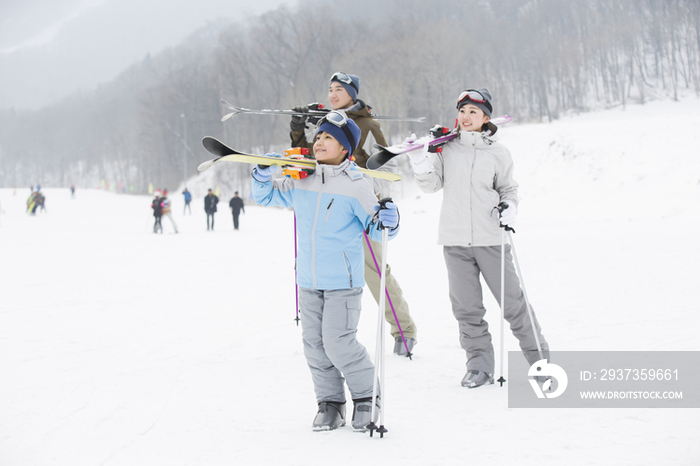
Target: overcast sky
[{"x": 49, "y": 48}]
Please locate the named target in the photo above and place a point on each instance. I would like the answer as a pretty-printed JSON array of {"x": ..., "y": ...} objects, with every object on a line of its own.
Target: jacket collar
[
  {"x": 473, "y": 138},
  {"x": 359, "y": 109},
  {"x": 345, "y": 167}
]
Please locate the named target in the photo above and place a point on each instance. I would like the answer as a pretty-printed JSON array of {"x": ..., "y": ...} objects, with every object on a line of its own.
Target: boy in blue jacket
[{"x": 332, "y": 206}]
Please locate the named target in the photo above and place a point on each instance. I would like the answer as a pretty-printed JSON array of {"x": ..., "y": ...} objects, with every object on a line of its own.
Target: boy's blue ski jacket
[{"x": 333, "y": 206}]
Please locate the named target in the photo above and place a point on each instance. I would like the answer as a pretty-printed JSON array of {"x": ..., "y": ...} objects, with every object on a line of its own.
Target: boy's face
[
  {"x": 338, "y": 96},
  {"x": 328, "y": 150},
  {"x": 471, "y": 118}
]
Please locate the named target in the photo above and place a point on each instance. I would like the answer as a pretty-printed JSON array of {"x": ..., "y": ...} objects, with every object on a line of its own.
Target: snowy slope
[{"x": 121, "y": 347}]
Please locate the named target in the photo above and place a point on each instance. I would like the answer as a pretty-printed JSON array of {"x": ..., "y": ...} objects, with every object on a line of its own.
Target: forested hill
[{"x": 539, "y": 58}]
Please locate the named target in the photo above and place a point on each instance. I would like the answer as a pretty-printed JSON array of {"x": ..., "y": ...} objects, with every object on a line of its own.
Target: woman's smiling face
[{"x": 471, "y": 118}]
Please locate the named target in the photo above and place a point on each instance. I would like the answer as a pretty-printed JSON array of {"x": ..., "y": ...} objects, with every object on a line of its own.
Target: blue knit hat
[
  {"x": 350, "y": 82},
  {"x": 340, "y": 135}
]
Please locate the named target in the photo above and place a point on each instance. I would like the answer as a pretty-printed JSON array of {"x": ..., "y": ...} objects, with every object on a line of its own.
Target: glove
[
  {"x": 508, "y": 214},
  {"x": 298, "y": 122},
  {"x": 389, "y": 215},
  {"x": 420, "y": 160},
  {"x": 263, "y": 173},
  {"x": 410, "y": 139}
]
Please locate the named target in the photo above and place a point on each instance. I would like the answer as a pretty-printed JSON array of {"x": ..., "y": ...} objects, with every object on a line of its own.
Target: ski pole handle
[
  {"x": 390, "y": 211},
  {"x": 383, "y": 202},
  {"x": 501, "y": 207},
  {"x": 375, "y": 218}
]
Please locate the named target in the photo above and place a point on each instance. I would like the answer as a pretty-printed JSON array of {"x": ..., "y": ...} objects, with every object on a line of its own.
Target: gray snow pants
[
  {"x": 463, "y": 268},
  {"x": 329, "y": 320}
]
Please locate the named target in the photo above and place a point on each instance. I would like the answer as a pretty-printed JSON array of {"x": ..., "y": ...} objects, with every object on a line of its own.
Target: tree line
[{"x": 539, "y": 58}]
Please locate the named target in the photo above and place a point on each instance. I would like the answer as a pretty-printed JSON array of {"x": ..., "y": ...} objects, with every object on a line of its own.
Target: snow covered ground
[{"x": 121, "y": 347}]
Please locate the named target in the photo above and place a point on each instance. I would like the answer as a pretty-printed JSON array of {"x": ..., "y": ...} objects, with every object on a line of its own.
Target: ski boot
[
  {"x": 331, "y": 415},
  {"x": 362, "y": 414},
  {"x": 400, "y": 348},
  {"x": 475, "y": 379}
]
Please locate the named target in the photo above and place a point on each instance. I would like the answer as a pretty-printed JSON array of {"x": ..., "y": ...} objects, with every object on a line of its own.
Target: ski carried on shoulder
[
  {"x": 295, "y": 164},
  {"x": 316, "y": 110},
  {"x": 439, "y": 136}
]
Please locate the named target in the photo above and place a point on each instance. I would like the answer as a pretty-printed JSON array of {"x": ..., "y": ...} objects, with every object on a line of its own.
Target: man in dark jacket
[
  {"x": 157, "y": 206},
  {"x": 210, "y": 201},
  {"x": 236, "y": 205}
]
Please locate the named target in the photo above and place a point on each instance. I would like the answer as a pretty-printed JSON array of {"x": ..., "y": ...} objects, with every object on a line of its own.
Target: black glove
[{"x": 298, "y": 122}]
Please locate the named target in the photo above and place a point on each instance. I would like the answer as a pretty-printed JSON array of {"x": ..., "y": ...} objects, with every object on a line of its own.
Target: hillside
[{"x": 121, "y": 347}]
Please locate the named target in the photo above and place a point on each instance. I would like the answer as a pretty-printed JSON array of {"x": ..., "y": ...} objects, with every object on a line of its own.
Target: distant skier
[
  {"x": 342, "y": 95},
  {"x": 40, "y": 202},
  {"x": 210, "y": 202},
  {"x": 157, "y": 206},
  {"x": 188, "y": 199},
  {"x": 166, "y": 208},
  {"x": 236, "y": 205},
  {"x": 32, "y": 202},
  {"x": 334, "y": 205},
  {"x": 72, "y": 191},
  {"x": 476, "y": 176}
]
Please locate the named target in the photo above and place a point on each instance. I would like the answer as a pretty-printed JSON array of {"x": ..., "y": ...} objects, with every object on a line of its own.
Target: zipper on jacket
[
  {"x": 313, "y": 241},
  {"x": 471, "y": 200},
  {"x": 328, "y": 209},
  {"x": 346, "y": 259}
]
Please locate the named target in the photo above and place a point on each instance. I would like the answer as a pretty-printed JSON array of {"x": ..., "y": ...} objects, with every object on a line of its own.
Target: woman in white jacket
[{"x": 476, "y": 174}]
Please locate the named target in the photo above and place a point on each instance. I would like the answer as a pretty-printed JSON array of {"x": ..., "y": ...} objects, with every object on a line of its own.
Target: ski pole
[
  {"x": 522, "y": 285},
  {"x": 501, "y": 379},
  {"x": 296, "y": 287},
  {"x": 379, "y": 355},
  {"x": 379, "y": 350},
  {"x": 391, "y": 304}
]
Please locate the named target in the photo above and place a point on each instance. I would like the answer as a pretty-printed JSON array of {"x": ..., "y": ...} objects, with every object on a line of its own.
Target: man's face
[{"x": 338, "y": 96}]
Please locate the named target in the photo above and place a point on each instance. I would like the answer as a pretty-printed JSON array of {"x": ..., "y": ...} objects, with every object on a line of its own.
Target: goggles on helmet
[
  {"x": 341, "y": 121},
  {"x": 474, "y": 96},
  {"x": 344, "y": 78}
]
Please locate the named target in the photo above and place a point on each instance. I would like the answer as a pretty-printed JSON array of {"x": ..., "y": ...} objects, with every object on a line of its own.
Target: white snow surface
[{"x": 122, "y": 347}]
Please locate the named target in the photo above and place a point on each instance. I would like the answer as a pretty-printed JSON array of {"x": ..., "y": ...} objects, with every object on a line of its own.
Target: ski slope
[{"x": 122, "y": 347}]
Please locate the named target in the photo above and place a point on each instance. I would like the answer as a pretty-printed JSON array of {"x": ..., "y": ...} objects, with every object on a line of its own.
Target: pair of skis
[
  {"x": 292, "y": 160},
  {"x": 439, "y": 136},
  {"x": 314, "y": 110}
]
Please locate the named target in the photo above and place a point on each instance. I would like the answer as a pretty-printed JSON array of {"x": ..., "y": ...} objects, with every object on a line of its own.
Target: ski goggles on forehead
[
  {"x": 341, "y": 121},
  {"x": 343, "y": 78},
  {"x": 472, "y": 95}
]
